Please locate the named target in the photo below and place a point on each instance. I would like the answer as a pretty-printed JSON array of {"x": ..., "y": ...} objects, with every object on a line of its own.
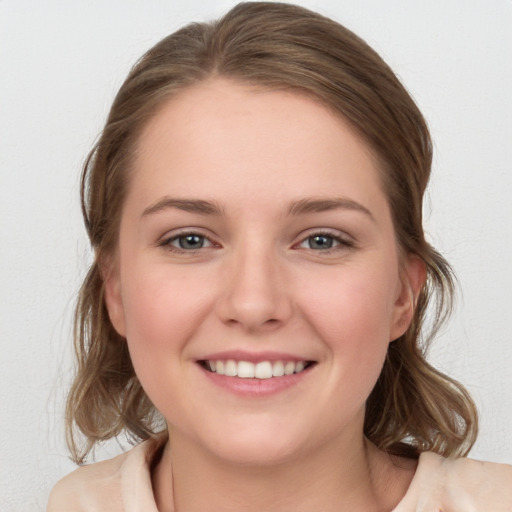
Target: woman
[{"x": 261, "y": 280}]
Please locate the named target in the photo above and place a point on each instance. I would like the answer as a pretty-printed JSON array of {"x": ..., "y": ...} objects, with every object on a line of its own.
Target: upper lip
[{"x": 253, "y": 357}]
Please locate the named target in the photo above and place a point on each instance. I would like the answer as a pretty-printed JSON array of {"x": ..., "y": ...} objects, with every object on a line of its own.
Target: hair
[{"x": 413, "y": 407}]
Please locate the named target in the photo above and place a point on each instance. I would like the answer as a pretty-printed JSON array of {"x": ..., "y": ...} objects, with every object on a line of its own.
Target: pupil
[
  {"x": 191, "y": 241},
  {"x": 320, "y": 242}
]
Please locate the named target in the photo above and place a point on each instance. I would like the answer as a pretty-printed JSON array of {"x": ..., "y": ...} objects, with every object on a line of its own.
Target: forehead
[{"x": 221, "y": 138}]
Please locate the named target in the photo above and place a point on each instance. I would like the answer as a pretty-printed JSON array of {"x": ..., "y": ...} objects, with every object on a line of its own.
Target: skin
[{"x": 259, "y": 282}]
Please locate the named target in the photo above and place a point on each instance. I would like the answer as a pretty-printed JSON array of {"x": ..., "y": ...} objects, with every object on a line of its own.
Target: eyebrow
[
  {"x": 199, "y": 206},
  {"x": 312, "y": 205},
  {"x": 300, "y": 207}
]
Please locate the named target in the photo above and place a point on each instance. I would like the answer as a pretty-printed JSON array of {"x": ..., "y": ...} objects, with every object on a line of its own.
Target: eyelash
[
  {"x": 167, "y": 242},
  {"x": 339, "y": 242}
]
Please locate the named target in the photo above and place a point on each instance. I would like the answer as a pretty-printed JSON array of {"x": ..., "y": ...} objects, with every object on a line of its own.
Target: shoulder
[
  {"x": 109, "y": 484},
  {"x": 87, "y": 488},
  {"x": 459, "y": 484},
  {"x": 469, "y": 475}
]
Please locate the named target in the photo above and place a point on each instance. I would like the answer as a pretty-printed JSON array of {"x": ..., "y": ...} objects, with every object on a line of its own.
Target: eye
[
  {"x": 186, "y": 242},
  {"x": 319, "y": 242},
  {"x": 325, "y": 242}
]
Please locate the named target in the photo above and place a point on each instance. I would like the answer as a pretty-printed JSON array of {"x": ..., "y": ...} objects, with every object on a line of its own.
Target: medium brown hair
[{"x": 413, "y": 407}]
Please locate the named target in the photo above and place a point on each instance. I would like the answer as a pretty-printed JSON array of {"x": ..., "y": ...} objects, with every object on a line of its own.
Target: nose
[{"x": 255, "y": 295}]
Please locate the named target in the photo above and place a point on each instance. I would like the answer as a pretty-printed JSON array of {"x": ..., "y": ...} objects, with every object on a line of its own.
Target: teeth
[
  {"x": 231, "y": 368},
  {"x": 261, "y": 370},
  {"x": 245, "y": 370},
  {"x": 289, "y": 368},
  {"x": 278, "y": 369}
]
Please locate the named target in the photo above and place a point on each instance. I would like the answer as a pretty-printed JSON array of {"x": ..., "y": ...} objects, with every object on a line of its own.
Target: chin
[{"x": 255, "y": 445}]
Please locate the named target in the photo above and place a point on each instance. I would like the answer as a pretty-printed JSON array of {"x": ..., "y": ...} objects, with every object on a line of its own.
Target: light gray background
[{"x": 61, "y": 62}]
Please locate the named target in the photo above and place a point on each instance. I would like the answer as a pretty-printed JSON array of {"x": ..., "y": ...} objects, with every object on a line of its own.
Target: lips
[
  {"x": 252, "y": 375},
  {"x": 265, "y": 369}
]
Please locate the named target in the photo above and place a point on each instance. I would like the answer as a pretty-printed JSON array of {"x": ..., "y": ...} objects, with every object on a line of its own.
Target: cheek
[
  {"x": 159, "y": 323},
  {"x": 153, "y": 309},
  {"x": 352, "y": 302},
  {"x": 161, "y": 312},
  {"x": 352, "y": 313}
]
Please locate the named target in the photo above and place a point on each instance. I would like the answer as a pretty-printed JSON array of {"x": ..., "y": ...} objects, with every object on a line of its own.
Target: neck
[{"x": 350, "y": 474}]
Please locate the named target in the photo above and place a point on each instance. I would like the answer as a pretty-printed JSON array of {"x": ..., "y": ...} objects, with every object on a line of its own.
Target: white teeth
[
  {"x": 231, "y": 368},
  {"x": 261, "y": 370},
  {"x": 245, "y": 370},
  {"x": 289, "y": 368},
  {"x": 278, "y": 369},
  {"x": 219, "y": 367}
]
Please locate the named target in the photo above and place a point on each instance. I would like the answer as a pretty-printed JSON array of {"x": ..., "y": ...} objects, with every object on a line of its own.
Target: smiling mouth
[{"x": 260, "y": 370}]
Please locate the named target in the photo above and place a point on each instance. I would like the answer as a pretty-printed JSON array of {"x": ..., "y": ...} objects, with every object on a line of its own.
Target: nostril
[
  {"x": 271, "y": 323},
  {"x": 254, "y": 305}
]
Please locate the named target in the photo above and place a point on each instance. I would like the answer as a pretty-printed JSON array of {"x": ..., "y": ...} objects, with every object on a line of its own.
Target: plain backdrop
[{"x": 61, "y": 63}]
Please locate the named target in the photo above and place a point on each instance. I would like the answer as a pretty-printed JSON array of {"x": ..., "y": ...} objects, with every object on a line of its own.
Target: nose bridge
[{"x": 255, "y": 294}]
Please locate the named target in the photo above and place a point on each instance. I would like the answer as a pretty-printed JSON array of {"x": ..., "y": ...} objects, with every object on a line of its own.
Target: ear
[
  {"x": 413, "y": 277},
  {"x": 112, "y": 294}
]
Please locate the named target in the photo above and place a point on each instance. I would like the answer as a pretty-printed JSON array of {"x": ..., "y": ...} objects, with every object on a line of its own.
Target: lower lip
[{"x": 256, "y": 388}]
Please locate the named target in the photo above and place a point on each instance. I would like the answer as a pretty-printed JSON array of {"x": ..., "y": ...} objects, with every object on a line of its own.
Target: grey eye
[
  {"x": 190, "y": 242},
  {"x": 319, "y": 242}
]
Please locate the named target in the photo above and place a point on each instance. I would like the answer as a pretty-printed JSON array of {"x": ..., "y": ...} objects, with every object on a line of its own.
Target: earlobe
[
  {"x": 113, "y": 297},
  {"x": 414, "y": 274}
]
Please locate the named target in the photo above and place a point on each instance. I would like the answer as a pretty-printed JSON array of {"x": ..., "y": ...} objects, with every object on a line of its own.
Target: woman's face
[{"x": 256, "y": 240}]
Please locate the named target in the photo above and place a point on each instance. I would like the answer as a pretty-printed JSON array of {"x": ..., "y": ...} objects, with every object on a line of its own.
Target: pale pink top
[{"x": 123, "y": 484}]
